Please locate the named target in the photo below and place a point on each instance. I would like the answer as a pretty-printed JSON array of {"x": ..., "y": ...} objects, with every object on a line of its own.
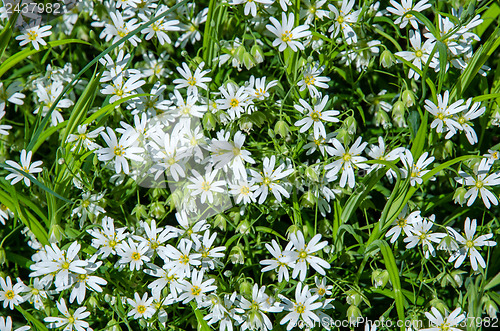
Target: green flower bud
[
  {"x": 56, "y": 233},
  {"x": 113, "y": 325},
  {"x": 353, "y": 298},
  {"x": 143, "y": 323},
  {"x": 156, "y": 209},
  {"x": 3, "y": 257},
  {"x": 281, "y": 128},
  {"x": 387, "y": 59},
  {"x": 244, "y": 227},
  {"x": 457, "y": 277},
  {"x": 353, "y": 313},
  {"x": 398, "y": 107},
  {"x": 140, "y": 211},
  {"x": 246, "y": 288},
  {"x": 209, "y": 121},
  {"x": 239, "y": 52},
  {"x": 257, "y": 53},
  {"x": 350, "y": 125},
  {"x": 439, "y": 305},
  {"x": 408, "y": 98},
  {"x": 312, "y": 174},
  {"x": 382, "y": 119},
  {"x": 248, "y": 60},
  {"x": 343, "y": 135},
  {"x": 245, "y": 124},
  {"x": 459, "y": 196},
  {"x": 308, "y": 200},
  {"x": 490, "y": 308},
  {"x": 220, "y": 221},
  {"x": 197, "y": 61},
  {"x": 380, "y": 278},
  {"x": 292, "y": 229},
  {"x": 236, "y": 255},
  {"x": 92, "y": 303}
]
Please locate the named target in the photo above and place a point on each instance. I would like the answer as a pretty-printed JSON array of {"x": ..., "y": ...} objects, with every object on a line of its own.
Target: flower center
[
  {"x": 191, "y": 81},
  {"x": 402, "y": 223},
  {"x": 112, "y": 243},
  {"x": 35, "y": 291},
  {"x": 422, "y": 236},
  {"x": 302, "y": 255},
  {"x": 71, "y": 320},
  {"x": 309, "y": 80},
  {"x": 32, "y": 35},
  {"x": 300, "y": 308},
  {"x": 118, "y": 150},
  {"x": 245, "y": 190},
  {"x": 315, "y": 115},
  {"x": 234, "y": 103},
  {"x": 65, "y": 265},
  {"x": 321, "y": 291},
  {"x": 85, "y": 203},
  {"x": 141, "y": 309},
  {"x": 287, "y": 36},
  {"x": 462, "y": 120},
  {"x": 196, "y": 290},
  {"x": 136, "y": 256},
  {"x": 469, "y": 244},
  {"x": 10, "y": 295},
  {"x": 346, "y": 157},
  {"x": 82, "y": 277},
  {"x": 266, "y": 181},
  {"x": 184, "y": 259},
  {"x": 340, "y": 19},
  {"x": 440, "y": 116},
  {"x": 419, "y": 53},
  {"x": 205, "y": 186},
  {"x": 479, "y": 184}
]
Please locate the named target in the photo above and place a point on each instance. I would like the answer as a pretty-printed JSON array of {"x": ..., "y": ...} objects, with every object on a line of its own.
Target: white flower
[
  {"x": 231, "y": 154},
  {"x": 84, "y": 281},
  {"x": 11, "y": 94},
  {"x": 142, "y": 307},
  {"x": 348, "y": 160},
  {"x": 304, "y": 255},
  {"x": 258, "y": 89},
  {"x": 419, "y": 56},
  {"x": 160, "y": 27},
  {"x": 269, "y": 180},
  {"x": 69, "y": 321},
  {"x": 192, "y": 81},
  {"x": 35, "y": 294},
  {"x": 255, "y": 310},
  {"x": 469, "y": 244},
  {"x": 251, "y": 5},
  {"x": 315, "y": 116},
  {"x": 179, "y": 260},
  {"x": 303, "y": 307},
  {"x": 84, "y": 139},
  {"x": 119, "y": 29},
  {"x": 62, "y": 263},
  {"x": 10, "y": 294},
  {"x": 415, "y": 170},
  {"x": 422, "y": 235},
  {"x": 443, "y": 114},
  {"x": 343, "y": 21},
  {"x": 312, "y": 11},
  {"x": 312, "y": 80},
  {"x": 6, "y": 325},
  {"x": 34, "y": 35},
  {"x": 206, "y": 185},
  {"x": 197, "y": 288},
  {"x": 108, "y": 238},
  {"x": 402, "y": 10},
  {"x": 4, "y": 127},
  {"x": 404, "y": 222},
  {"x": 286, "y": 34},
  {"x": 25, "y": 166},
  {"x": 446, "y": 323},
  {"x": 207, "y": 254},
  {"x": 243, "y": 191},
  {"x": 121, "y": 89},
  {"x": 464, "y": 120},
  {"x": 279, "y": 261},
  {"x": 379, "y": 153},
  {"x": 235, "y": 101},
  {"x": 321, "y": 288},
  {"x": 120, "y": 151},
  {"x": 479, "y": 184},
  {"x": 133, "y": 253}
]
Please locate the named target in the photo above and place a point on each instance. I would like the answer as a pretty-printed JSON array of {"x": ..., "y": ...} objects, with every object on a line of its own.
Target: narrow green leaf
[
  {"x": 39, "y": 326},
  {"x": 110, "y": 107},
  {"x": 495, "y": 281},
  {"x": 269, "y": 230},
  {"x": 202, "y": 324}
]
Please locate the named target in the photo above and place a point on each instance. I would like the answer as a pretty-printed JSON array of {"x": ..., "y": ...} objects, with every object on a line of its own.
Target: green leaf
[
  {"x": 390, "y": 264},
  {"x": 18, "y": 57},
  {"x": 39, "y": 326},
  {"x": 495, "y": 281},
  {"x": 202, "y": 324},
  {"x": 269, "y": 230}
]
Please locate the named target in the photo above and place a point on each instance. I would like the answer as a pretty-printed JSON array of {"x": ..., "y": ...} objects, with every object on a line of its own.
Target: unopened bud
[
  {"x": 380, "y": 278},
  {"x": 398, "y": 107},
  {"x": 245, "y": 124},
  {"x": 382, "y": 119},
  {"x": 257, "y": 53},
  {"x": 156, "y": 209},
  {"x": 236, "y": 255},
  {"x": 248, "y": 60},
  {"x": 408, "y": 98},
  {"x": 281, "y": 128},
  {"x": 308, "y": 200},
  {"x": 459, "y": 196},
  {"x": 491, "y": 308},
  {"x": 220, "y": 222},
  {"x": 244, "y": 227},
  {"x": 353, "y": 313},
  {"x": 209, "y": 121},
  {"x": 439, "y": 305},
  {"x": 3, "y": 257},
  {"x": 239, "y": 52},
  {"x": 387, "y": 59},
  {"x": 56, "y": 233},
  {"x": 140, "y": 211},
  {"x": 353, "y": 298},
  {"x": 246, "y": 288},
  {"x": 312, "y": 174},
  {"x": 113, "y": 325}
]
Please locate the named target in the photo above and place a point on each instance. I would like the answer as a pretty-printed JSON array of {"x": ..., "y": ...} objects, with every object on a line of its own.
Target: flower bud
[
  {"x": 353, "y": 297},
  {"x": 236, "y": 255},
  {"x": 459, "y": 196},
  {"x": 439, "y": 305},
  {"x": 387, "y": 59},
  {"x": 457, "y": 277},
  {"x": 308, "y": 200},
  {"x": 353, "y": 313},
  {"x": 380, "y": 278},
  {"x": 248, "y": 60},
  {"x": 56, "y": 233},
  {"x": 491, "y": 308},
  {"x": 197, "y": 61},
  {"x": 281, "y": 128},
  {"x": 382, "y": 119},
  {"x": 239, "y": 52},
  {"x": 312, "y": 174},
  {"x": 398, "y": 107},
  {"x": 3, "y": 257},
  {"x": 257, "y": 53},
  {"x": 243, "y": 227},
  {"x": 408, "y": 98},
  {"x": 140, "y": 211},
  {"x": 113, "y": 325},
  {"x": 350, "y": 125},
  {"x": 92, "y": 303},
  {"x": 246, "y": 288},
  {"x": 156, "y": 209},
  {"x": 209, "y": 121},
  {"x": 220, "y": 221},
  {"x": 245, "y": 124},
  {"x": 292, "y": 229}
]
